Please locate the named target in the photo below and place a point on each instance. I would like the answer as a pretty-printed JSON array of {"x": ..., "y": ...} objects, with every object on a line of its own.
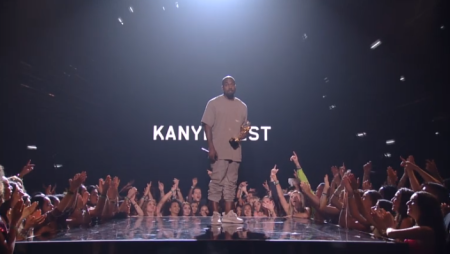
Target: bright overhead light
[
  {"x": 32, "y": 147},
  {"x": 362, "y": 134}
]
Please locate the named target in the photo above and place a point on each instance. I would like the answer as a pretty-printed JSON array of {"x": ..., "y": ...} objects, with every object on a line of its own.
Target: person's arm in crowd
[
  {"x": 7, "y": 244},
  {"x": 403, "y": 180},
  {"x": 300, "y": 173},
  {"x": 323, "y": 205},
  {"x": 367, "y": 169},
  {"x": 346, "y": 220},
  {"x": 355, "y": 213},
  {"x": 26, "y": 170},
  {"x": 415, "y": 185},
  {"x": 161, "y": 190},
  {"x": 147, "y": 194},
  {"x": 191, "y": 191},
  {"x": 266, "y": 187},
  {"x": 164, "y": 200},
  {"x": 334, "y": 200},
  {"x": 309, "y": 194},
  {"x": 284, "y": 203},
  {"x": 131, "y": 199},
  {"x": 431, "y": 167},
  {"x": 112, "y": 203},
  {"x": 336, "y": 180},
  {"x": 179, "y": 194},
  {"x": 103, "y": 186},
  {"x": 415, "y": 233},
  {"x": 426, "y": 176},
  {"x": 70, "y": 199},
  {"x": 242, "y": 191}
]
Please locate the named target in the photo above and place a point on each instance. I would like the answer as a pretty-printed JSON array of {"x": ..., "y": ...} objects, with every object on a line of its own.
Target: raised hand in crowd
[{"x": 26, "y": 169}]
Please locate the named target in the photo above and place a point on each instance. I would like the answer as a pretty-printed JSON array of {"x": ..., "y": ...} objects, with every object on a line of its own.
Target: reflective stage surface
[
  {"x": 144, "y": 233},
  {"x": 197, "y": 228}
]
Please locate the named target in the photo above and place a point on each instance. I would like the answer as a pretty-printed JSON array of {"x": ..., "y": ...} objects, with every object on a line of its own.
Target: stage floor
[
  {"x": 143, "y": 234},
  {"x": 198, "y": 228}
]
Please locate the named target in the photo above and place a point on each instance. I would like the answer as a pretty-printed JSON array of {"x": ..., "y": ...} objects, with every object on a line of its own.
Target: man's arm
[
  {"x": 208, "y": 131},
  {"x": 208, "y": 120},
  {"x": 244, "y": 135}
]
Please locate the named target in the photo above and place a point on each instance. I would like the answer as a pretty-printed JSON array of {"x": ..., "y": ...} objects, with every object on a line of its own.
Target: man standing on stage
[{"x": 223, "y": 117}]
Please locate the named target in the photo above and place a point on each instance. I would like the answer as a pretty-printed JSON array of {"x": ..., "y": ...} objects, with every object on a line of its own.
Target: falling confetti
[
  {"x": 131, "y": 9},
  {"x": 375, "y": 44},
  {"x": 324, "y": 96},
  {"x": 362, "y": 134},
  {"x": 176, "y": 4},
  {"x": 305, "y": 36},
  {"x": 442, "y": 27},
  {"x": 164, "y": 8},
  {"x": 402, "y": 78},
  {"x": 390, "y": 142},
  {"x": 437, "y": 133},
  {"x": 120, "y": 21},
  {"x": 32, "y": 147},
  {"x": 387, "y": 155},
  {"x": 332, "y": 107}
]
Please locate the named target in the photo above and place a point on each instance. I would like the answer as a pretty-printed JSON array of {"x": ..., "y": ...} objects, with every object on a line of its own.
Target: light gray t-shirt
[{"x": 225, "y": 118}]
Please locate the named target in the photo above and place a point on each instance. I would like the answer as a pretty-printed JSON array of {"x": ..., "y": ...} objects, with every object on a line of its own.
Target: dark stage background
[{"x": 87, "y": 88}]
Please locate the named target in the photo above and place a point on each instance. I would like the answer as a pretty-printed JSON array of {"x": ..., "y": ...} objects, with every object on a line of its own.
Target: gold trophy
[{"x": 245, "y": 128}]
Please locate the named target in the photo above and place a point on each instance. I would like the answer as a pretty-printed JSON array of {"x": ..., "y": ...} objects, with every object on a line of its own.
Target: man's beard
[{"x": 229, "y": 94}]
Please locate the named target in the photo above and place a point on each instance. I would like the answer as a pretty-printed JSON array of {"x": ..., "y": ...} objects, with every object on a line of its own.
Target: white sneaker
[
  {"x": 232, "y": 217},
  {"x": 215, "y": 219}
]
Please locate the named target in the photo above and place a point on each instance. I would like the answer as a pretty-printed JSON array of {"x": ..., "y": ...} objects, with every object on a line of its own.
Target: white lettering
[
  {"x": 266, "y": 129},
  {"x": 253, "y": 134},
  {"x": 171, "y": 133},
  {"x": 157, "y": 132},
  {"x": 196, "y": 131},
  {"x": 183, "y": 133}
]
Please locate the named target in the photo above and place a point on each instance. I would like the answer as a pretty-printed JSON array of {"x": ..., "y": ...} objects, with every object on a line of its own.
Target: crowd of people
[{"x": 402, "y": 209}]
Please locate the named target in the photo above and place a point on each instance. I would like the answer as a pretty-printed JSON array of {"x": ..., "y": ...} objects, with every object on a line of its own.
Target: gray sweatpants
[{"x": 223, "y": 178}]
